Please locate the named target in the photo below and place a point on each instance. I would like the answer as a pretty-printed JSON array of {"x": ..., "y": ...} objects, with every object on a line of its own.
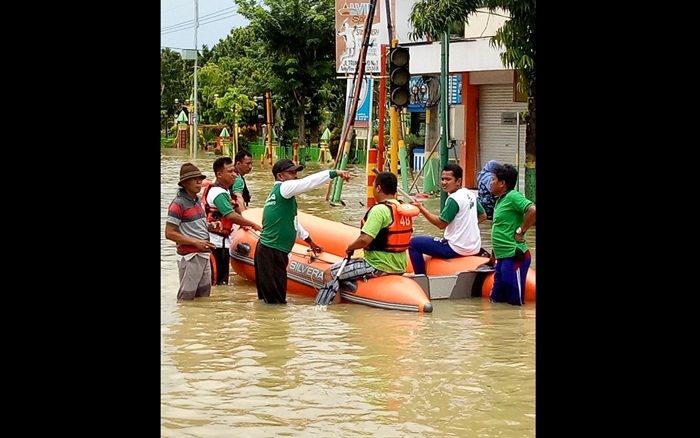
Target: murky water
[{"x": 234, "y": 366}]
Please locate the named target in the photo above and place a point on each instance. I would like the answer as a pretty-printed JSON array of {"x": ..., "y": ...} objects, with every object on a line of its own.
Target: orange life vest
[
  {"x": 215, "y": 215},
  {"x": 396, "y": 236}
]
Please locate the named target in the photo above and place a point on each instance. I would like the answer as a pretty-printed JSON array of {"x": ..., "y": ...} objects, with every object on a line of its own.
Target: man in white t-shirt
[{"x": 459, "y": 218}]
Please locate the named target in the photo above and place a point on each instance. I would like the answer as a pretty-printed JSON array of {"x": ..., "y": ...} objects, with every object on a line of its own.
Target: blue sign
[
  {"x": 455, "y": 89},
  {"x": 420, "y": 92},
  {"x": 364, "y": 104}
]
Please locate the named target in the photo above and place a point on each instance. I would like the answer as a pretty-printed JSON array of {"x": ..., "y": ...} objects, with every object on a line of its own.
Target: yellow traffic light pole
[{"x": 394, "y": 130}]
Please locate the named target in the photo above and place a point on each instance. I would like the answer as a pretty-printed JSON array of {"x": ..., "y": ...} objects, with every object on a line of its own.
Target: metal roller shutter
[{"x": 496, "y": 140}]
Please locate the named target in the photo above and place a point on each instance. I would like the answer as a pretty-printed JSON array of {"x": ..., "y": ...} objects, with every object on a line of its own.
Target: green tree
[
  {"x": 241, "y": 56},
  {"x": 298, "y": 42},
  {"x": 173, "y": 80},
  {"x": 234, "y": 102},
  {"x": 430, "y": 18}
]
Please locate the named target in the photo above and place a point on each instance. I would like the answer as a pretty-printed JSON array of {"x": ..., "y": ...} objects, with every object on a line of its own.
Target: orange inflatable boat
[
  {"x": 446, "y": 278},
  {"x": 305, "y": 277}
]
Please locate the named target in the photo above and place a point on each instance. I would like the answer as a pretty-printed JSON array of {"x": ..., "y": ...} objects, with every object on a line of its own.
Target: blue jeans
[{"x": 432, "y": 246}]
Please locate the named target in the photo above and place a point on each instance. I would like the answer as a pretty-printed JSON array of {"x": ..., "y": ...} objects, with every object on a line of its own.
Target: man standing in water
[
  {"x": 281, "y": 227},
  {"x": 513, "y": 215},
  {"x": 186, "y": 225},
  {"x": 221, "y": 211},
  {"x": 243, "y": 164}
]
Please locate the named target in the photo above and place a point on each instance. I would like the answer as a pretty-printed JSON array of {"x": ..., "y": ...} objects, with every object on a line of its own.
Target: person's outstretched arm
[
  {"x": 294, "y": 187},
  {"x": 433, "y": 218}
]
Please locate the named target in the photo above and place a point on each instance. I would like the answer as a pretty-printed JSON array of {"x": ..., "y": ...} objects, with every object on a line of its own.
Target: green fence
[{"x": 257, "y": 149}]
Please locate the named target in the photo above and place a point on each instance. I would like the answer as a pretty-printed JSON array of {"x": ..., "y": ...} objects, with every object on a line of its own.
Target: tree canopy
[
  {"x": 298, "y": 40},
  {"x": 431, "y": 18}
]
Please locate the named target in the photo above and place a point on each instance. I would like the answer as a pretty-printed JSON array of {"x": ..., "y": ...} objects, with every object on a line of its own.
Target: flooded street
[{"x": 234, "y": 366}]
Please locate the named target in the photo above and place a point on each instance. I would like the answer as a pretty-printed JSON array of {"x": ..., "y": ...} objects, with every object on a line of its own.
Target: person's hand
[
  {"x": 315, "y": 247},
  {"x": 418, "y": 204},
  {"x": 349, "y": 252},
  {"x": 492, "y": 260},
  {"x": 214, "y": 225},
  {"x": 204, "y": 245},
  {"x": 257, "y": 227},
  {"x": 343, "y": 174}
]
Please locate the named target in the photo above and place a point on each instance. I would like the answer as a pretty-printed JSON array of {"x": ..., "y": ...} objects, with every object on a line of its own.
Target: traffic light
[
  {"x": 399, "y": 76},
  {"x": 260, "y": 108}
]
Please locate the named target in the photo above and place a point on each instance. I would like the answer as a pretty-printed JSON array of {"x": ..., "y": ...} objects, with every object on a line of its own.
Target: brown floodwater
[{"x": 234, "y": 366}]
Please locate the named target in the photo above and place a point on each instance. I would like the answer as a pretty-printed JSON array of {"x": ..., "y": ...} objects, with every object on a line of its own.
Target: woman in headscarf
[{"x": 483, "y": 180}]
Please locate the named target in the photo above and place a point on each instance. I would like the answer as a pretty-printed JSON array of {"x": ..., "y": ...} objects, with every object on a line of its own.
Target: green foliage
[
  {"x": 288, "y": 48},
  {"x": 518, "y": 37},
  {"x": 173, "y": 79},
  {"x": 168, "y": 142},
  {"x": 431, "y": 18},
  {"x": 334, "y": 142},
  {"x": 242, "y": 58},
  {"x": 299, "y": 43},
  {"x": 209, "y": 135},
  {"x": 413, "y": 140}
]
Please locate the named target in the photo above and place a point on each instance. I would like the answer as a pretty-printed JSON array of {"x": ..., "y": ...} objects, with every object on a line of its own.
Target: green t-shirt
[
  {"x": 392, "y": 262},
  {"x": 507, "y": 217},
  {"x": 223, "y": 203},
  {"x": 279, "y": 215},
  {"x": 238, "y": 185}
]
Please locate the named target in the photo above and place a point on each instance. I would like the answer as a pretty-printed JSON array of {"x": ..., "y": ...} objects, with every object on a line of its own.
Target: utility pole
[
  {"x": 444, "y": 107},
  {"x": 196, "y": 25},
  {"x": 268, "y": 122}
]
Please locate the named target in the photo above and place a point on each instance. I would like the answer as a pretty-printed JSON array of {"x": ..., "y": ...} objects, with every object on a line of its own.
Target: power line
[
  {"x": 493, "y": 13},
  {"x": 486, "y": 25},
  {"x": 187, "y": 3},
  {"x": 178, "y": 48},
  {"x": 201, "y": 18},
  {"x": 200, "y": 23}
]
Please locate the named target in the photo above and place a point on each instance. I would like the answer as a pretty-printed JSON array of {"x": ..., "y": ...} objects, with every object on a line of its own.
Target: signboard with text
[{"x": 350, "y": 18}]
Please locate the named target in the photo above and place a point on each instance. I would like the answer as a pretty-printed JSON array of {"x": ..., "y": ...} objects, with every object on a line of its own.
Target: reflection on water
[{"x": 233, "y": 366}]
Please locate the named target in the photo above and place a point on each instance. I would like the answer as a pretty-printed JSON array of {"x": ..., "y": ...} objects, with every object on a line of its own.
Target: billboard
[{"x": 350, "y": 20}]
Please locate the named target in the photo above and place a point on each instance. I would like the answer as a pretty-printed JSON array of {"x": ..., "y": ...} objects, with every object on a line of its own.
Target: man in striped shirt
[{"x": 186, "y": 225}]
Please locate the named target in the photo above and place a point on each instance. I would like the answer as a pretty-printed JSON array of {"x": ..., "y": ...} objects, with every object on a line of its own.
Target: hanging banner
[
  {"x": 364, "y": 104},
  {"x": 350, "y": 18}
]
